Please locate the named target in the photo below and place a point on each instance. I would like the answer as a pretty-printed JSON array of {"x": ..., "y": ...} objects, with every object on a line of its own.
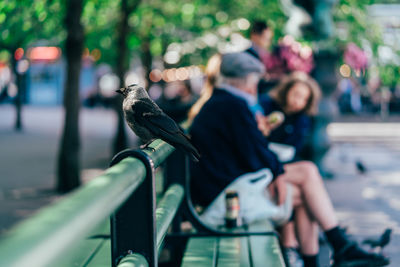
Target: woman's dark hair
[
  {"x": 280, "y": 92},
  {"x": 258, "y": 27}
]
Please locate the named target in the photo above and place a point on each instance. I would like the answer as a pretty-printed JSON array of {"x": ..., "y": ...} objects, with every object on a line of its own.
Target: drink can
[{"x": 232, "y": 216}]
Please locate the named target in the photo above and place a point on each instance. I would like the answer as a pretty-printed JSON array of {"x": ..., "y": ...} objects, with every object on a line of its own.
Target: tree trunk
[
  {"x": 127, "y": 7},
  {"x": 69, "y": 159},
  {"x": 147, "y": 59},
  {"x": 19, "y": 96},
  {"x": 120, "y": 139}
]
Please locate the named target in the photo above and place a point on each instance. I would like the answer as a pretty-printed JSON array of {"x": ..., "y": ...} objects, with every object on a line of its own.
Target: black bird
[
  {"x": 149, "y": 122},
  {"x": 380, "y": 242},
  {"x": 361, "y": 167}
]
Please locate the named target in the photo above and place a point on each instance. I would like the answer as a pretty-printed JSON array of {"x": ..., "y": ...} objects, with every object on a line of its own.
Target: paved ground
[{"x": 366, "y": 203}]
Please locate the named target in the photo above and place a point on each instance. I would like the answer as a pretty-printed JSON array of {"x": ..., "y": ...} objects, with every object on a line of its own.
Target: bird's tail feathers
[
  {"x": 189, "y": 148},
  {"x": 192, "y": 152}
]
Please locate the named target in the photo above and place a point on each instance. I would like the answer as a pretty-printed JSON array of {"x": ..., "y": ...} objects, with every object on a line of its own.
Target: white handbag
[{"x": 254, "y": 200}]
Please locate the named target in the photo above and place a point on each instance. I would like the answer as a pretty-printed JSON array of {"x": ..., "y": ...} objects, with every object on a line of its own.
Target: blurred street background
[{"x": 61, "y": 62}]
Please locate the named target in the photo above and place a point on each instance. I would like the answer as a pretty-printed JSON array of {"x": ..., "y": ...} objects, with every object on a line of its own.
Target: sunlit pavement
[{"x": 367, "y": 203}]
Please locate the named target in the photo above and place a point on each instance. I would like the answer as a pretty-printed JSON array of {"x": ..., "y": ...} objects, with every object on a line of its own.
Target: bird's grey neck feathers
[{"x": 139, "y": 93}]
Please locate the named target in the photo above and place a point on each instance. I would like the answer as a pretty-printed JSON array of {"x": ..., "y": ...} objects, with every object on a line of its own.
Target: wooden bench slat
[
  {"x": 261, "y": 226},
  {"x": 233, "y": 251},
  {"x": 265, "y": 250},
  {"x": 201, "y": 252}
]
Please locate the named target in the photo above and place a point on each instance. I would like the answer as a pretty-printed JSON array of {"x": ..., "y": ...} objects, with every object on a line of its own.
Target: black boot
[{"x": 351, "y": 255}]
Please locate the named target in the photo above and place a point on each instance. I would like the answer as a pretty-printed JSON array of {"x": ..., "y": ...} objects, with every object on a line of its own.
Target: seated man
[{"x": 231, "y": 145}]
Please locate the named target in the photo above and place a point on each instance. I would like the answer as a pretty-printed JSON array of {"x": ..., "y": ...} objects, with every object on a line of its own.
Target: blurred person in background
[
  {"x": 349, "y": 96},
  {"x": 297, "y": 97},
  {"x": 177, "y": 99},
  {"x": 233, "y": 149},
  {"x": 261, "y": 38},
  {"x": 211, "y": 74}
]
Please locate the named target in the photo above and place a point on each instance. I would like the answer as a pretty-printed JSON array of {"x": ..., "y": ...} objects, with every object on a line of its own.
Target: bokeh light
[
  {"x": 171, "y": 75},
  {"x": 96, "y": 54},
  {"x": 108, "y": 84},
  {"x": 188, "y": 9},
  {"x": 43, "y": 53},
  {"x": 132, "y": 78},
  {"x": 86, "y": 52},
  {"x": 243, "y": 24},
  {"x": 172, "y": 57},
  {"x": 155, "y": 75},
  {"x": 221, "y": 16},
  {"x": 19, "y": 53},
  {"x": 182, "y": 74},
  {"x": 12, "y": 90},
  {"x": 345, "y": 70},
  {"x": 22, "y": 66}
]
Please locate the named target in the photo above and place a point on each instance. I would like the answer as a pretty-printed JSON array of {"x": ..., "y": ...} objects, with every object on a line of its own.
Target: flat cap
[{"x": 237, "y": 65}]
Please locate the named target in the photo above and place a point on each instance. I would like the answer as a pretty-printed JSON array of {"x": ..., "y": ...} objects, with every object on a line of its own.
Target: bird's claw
[
  {"x": 152, "y": 149},
  {"x": 147, "y": 146}
]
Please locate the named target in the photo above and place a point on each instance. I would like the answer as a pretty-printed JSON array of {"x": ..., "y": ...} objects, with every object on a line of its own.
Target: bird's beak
[{"x": 119, "y": 91}]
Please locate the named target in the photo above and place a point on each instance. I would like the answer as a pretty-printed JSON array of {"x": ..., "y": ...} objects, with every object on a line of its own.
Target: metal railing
[{"x": 125, "y": 192}]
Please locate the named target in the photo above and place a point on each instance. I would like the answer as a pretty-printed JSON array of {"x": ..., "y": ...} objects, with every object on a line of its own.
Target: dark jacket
[
  {"x": 293, "y": 131},
  {"x": 226, "y": 134},
  {"x": 252, "y": 51}
]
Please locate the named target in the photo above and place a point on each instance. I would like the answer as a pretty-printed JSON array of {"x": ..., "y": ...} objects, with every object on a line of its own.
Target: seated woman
[
  {"x": 297, "y": 97},
  {"x": 231, "y": 145}
]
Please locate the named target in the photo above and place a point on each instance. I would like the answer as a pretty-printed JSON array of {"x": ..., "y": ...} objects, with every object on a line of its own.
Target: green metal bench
[
  {"x": 114, "y": 220},
  {"x": 251, "y": 250}
]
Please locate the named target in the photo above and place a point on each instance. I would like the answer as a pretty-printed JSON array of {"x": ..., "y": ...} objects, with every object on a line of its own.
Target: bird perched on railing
[
  {"x": 149, "y": 122},
  {"x": 380, "y": 242}
]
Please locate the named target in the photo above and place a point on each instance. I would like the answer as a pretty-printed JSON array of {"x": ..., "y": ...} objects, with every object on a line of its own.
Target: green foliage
[
  {"x": 354, "y": 25},
  {"x": 389, "y": 74},
  {"x": 24, "y": 22},
  {"x": 5, "y": 56},
  {"x": 99, "y": 19},
  {"x": 184, "y": 22}
]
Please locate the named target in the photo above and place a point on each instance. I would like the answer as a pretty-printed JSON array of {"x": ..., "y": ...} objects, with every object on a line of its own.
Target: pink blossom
[
  {"x": 355, "y": 57},
  {"x": 289, "y": 56}
]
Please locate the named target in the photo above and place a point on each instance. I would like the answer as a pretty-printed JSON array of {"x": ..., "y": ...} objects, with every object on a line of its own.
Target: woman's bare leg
[
  {"x": 306, "y": 177},
  {"x": 289, "y": 239},
  {"x": 312, "y": 205},
  {"x": 307, "y": 232},
  {"x": 306, "y": 228}
]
